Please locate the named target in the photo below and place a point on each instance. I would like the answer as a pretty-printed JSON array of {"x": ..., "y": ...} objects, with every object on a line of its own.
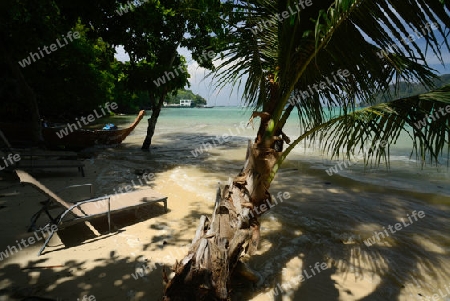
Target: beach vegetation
[
  {"x": 59, "y": 58},
  {"x": 51, "y": 65},
  {"x": 152, "y": 36}
]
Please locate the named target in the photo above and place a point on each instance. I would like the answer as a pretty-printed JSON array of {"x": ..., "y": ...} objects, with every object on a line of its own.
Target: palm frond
[
  {"x": 425, "y": 118},
  {"x": 316, "y": 42},
  {"x": 352, "y": 37}
]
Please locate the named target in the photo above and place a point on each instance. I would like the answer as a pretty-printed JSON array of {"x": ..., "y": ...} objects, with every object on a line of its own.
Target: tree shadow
[{"x": 73, "y": 281}]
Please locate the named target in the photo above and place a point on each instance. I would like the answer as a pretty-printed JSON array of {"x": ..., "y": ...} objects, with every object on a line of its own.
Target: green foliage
[
  {"x": 151, "y": 34},
  {"x": 71, "y": 80},
  {"x": 128, "y": 100},
  {"x": 78, "y": 77}
]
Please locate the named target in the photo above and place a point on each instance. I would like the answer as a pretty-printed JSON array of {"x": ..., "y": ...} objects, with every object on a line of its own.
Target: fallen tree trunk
[{"x": 232, "y": 232}]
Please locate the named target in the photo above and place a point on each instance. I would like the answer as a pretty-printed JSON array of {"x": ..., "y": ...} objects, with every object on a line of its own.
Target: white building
[{"x": 185, "y": 102}]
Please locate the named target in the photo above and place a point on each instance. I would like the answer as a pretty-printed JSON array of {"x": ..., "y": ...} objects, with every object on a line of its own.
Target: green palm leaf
[{"x": 423, "y": 117}]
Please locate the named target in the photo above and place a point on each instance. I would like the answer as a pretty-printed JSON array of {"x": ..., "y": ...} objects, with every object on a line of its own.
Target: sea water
[{"x": 190, "y": 129}]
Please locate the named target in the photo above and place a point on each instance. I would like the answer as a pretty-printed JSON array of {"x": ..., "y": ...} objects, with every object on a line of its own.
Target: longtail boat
[
  {"x": 56, "y": 137},
  {"x": 61, "y": 137}
]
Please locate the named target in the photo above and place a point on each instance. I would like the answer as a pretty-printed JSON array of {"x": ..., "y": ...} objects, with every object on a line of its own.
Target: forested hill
[
  {"x": 406, "y": 89},
  {"x": 197, "y": 100}
]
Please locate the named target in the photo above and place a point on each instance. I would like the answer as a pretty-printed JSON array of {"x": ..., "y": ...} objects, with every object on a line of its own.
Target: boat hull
[
  {"x": 76, "y": 140},
  {"x": 87, "y": 138}
]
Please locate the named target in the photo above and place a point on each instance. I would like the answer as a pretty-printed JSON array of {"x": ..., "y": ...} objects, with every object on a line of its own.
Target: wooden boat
[
  {"x": 19, "y": 135},
  {"x": 54, "y": 136}
]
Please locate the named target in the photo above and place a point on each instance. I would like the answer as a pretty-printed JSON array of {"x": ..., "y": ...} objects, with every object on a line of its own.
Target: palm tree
[{"x": 322, "y": 57}]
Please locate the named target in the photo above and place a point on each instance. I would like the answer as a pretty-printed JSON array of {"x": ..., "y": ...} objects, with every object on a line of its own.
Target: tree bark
[
  {"x": 156, "y": 109},
  {"x": 233, "y": 230}
]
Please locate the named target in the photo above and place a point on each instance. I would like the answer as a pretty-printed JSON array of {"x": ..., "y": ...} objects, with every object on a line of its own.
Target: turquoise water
[{"x": 194, "y": 128}]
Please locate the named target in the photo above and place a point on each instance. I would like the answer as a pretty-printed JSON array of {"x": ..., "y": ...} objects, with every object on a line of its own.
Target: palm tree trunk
[{"x": 233, "y": 230}]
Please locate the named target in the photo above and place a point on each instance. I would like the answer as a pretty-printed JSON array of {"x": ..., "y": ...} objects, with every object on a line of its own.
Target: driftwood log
[{"x": 232, "y": 232}]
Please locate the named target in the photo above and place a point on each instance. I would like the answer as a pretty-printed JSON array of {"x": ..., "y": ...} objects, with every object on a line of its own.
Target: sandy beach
[{"x": 312, "y": 244}]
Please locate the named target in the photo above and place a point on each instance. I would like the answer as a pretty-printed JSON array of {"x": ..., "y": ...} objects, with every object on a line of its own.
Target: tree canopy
[{"x": 64, "y": 53}]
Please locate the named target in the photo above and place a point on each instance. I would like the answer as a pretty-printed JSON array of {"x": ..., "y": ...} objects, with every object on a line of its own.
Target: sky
[{"x": 229, "y": 96}]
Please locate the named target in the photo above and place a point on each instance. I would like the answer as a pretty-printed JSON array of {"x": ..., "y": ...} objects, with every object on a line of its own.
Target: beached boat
[{"x": 61, "y": 137}]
